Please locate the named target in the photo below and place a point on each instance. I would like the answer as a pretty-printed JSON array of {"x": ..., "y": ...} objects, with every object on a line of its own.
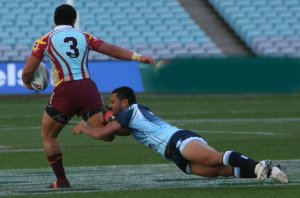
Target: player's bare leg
[
  {"x": 50, "y": 131},
  {"x": 205, "y": 171},
  {"x": 201, "y": 153},
  {"x": 97, "y": 121}
]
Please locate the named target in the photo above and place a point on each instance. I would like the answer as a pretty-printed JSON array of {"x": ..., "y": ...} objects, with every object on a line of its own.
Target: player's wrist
[
  {"x": 28, "y": 86},
  {"x": 136, "y": 57}
]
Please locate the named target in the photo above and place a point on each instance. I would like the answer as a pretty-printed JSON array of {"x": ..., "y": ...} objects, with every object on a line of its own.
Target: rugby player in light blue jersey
[
  {"x": 187, "y": 149},
  {"x": 75, "y": 93}
]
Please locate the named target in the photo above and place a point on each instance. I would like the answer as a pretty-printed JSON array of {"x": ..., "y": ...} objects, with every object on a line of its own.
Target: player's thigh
[
  {"x": 96, "y": 120},
  {"x": 201, "y": 153},
  {"x": 50, "y": 127},
  {"x": 206, "y": 171}
]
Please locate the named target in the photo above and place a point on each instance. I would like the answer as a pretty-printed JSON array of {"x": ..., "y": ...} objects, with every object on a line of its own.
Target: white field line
[
  {"x": 17, "y": 105},
  {"x": 5, "y": 147},
  {"x": 210, "y": 112},
  {"x": 20, "y": 128},
  {"x": 21, "y": 116},
  {"x": 127, "y": 177},
  {"x": 234, "y": 120},
  {"x": 224, "y": 112},
  {"x": 258, "y": 96},
  {"x": 20, "y": 150},
  {"x": 192, "y": 121},
  {"x": 238, "y": 132},
  {"x": 8, "y": 149}
]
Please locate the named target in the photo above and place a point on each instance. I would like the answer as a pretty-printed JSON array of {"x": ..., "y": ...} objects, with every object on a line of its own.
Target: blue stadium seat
[
  {"x": 130, "y": 23},
  {"x": 258, "y": 22},
  {"x": 163, "y": 21}
]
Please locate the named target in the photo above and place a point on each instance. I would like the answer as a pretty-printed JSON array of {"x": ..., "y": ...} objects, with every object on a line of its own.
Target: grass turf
[{"x": 261, "y": 126}]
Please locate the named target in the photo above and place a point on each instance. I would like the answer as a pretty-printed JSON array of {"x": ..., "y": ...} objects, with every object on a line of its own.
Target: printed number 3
[{"x": 75, "y": 52}]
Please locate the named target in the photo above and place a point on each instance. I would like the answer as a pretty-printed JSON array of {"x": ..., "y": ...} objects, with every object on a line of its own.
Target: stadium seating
[
  {"x": 268, "y": 27},
  {"x": 159, "y": 28}
]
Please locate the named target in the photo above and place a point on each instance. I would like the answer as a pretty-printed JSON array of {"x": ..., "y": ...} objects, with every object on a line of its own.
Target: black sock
[{"x": 246, "y": 164}]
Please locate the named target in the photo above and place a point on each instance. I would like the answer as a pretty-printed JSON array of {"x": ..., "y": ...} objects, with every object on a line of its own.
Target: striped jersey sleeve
[
  {"x": 93, "y": 42},
  {"x": 39, "y": 47}
]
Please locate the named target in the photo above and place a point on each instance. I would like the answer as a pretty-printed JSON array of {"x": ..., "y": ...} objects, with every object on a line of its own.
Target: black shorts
[{"x": 173, "y": 149}]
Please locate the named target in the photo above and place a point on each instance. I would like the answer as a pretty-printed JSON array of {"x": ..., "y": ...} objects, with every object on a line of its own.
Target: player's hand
[
  {"x": 109, "y": 116},
  {"x": 28, "y": 86},
  {"x": 79, "y": 128},
  {"x": 147, "y": 60}
]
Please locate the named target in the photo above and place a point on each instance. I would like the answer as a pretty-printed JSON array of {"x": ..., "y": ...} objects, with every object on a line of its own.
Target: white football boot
[
  {"x": 278, "y": 174},
  {"x": 262, "y": 168}
]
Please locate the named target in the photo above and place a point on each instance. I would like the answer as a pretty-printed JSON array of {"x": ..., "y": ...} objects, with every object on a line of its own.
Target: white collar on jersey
[{"x": 62, "y": 27}]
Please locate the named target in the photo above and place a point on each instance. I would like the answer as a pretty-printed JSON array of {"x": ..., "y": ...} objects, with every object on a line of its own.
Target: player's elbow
[
  {"x": 123, "y": 132},
  {"x": 98, "y": 136},
  {"x": 26, "y": 78},
  {"x": 108, "y": 138}
]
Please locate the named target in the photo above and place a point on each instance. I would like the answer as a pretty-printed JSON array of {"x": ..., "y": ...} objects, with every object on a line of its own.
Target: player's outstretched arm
[
  {"x": 97, "y": 132},
  {"x": 124, "y": 54},
  {"x": 28, "y": 71},
  {"x": 123, "y": 132},
  {"x": 109, "y": 117}
]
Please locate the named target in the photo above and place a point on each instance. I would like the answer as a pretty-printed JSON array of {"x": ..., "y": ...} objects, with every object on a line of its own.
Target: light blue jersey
[
  {"x": 67, "y": 49},
  {"x": 147, "y": 128}
]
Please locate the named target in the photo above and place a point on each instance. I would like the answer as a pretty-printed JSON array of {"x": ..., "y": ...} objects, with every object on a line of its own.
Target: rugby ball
[
  {"x": 108, "y": 117},
  {"x": 41, "y": 78}
]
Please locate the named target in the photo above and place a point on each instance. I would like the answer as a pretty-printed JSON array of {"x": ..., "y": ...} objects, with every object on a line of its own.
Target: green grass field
[{"x": 260, "y": 126}]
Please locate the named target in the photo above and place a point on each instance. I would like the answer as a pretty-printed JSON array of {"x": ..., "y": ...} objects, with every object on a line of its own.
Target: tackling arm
[
  {"x": 28, "y": 71},
  {"x": 123, "y": 132},
  {"x": 109, "y": 117},
  {"x": 97, "y": 132}
]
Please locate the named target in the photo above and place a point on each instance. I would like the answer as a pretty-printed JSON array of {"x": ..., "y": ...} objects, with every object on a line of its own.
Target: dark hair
[
  {"x": 65, "y": 14},
  {"x": 125, "y": 93}
]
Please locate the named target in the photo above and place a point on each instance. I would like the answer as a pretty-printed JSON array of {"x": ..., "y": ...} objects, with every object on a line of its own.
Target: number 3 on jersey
[{"x": 74, "y": 53}]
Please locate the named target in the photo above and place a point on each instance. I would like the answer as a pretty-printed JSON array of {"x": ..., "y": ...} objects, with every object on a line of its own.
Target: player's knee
[
  {"x": 47, "y": 134},
  {"x": 214, "y": 174},
  {"x": 214, "y": 159},
  {"x": 207, "y": 173},
  {"x": 211, "y": 161}
]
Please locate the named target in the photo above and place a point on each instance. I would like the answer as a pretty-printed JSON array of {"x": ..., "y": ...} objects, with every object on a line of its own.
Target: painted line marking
[
  {"x": 238, "y": 132},
  {"x": 20, "y": 150},
  {"x": 126, "y": 177},
  {"x": 73, "y": 123},
  {"x": 21, "y": 116},
  {"x": 20, "y": 128},
  {"x": 234, "y": 120},
  {"x": 188, "y": 121},
  {"x": 224, "y": 112},
  {"x": 5, "y": 147}
]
